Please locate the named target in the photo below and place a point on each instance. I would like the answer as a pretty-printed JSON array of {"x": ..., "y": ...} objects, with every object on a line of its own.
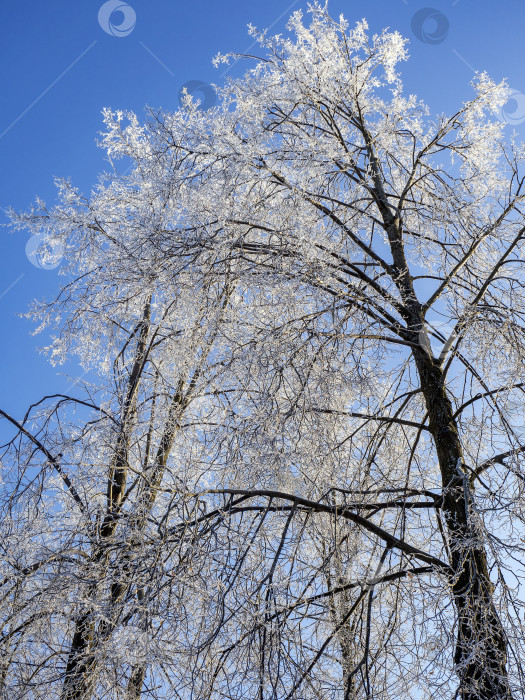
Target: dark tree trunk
[
  {"x": 481, "y": 647},
  {"x": 136, "y": 682},
  {"x": 79, "y": 669},
  {"x": 480, "y": 653}
]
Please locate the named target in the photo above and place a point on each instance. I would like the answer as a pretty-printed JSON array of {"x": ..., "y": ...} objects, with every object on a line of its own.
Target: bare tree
[{"x": 313, "y": 461}]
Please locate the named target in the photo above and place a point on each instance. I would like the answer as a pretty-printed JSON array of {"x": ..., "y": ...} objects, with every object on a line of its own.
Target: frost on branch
[{"x": 297, "y": 467}]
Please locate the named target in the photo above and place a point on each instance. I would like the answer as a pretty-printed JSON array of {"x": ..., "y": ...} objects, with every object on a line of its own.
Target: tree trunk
[
  {"x": 81, "y": 664},
  {"x": 135, "y": 682},
  {"x": 481, "y": 647},
  {"x": 480, "y": 653}
]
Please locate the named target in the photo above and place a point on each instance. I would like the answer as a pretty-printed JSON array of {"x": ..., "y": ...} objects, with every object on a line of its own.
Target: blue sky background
[{"x": 60, "y": 68}]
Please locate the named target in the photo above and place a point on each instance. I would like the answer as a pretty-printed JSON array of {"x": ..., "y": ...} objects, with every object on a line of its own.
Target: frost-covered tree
[{"x": 297, "y": 469}]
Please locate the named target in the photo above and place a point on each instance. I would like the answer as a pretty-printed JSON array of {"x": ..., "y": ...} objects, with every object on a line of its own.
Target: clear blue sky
[{"x": 60, "y": 68}]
